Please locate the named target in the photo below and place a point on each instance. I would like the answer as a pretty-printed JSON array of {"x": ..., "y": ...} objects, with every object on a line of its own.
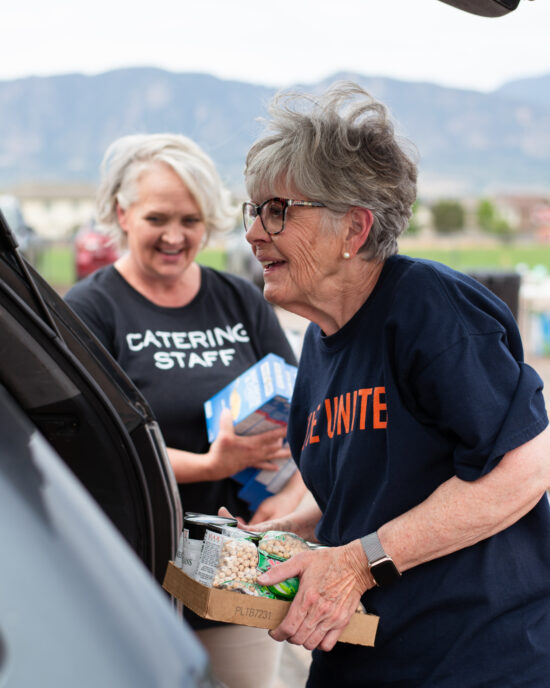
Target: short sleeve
[
  {"x": 92, "y": 306},
  {"x": 489, "y": 403}
]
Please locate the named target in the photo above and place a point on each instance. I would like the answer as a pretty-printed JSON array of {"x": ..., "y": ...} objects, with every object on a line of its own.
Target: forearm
[
  {"x": 189, "y": 467},
  {"x": 295, "y": 487},
  {"x": 284, "y": 502},
  {"x": 228, "y": 455},
  {"x": 304, "y": 519},
  {"x": 459, "y": 514}
]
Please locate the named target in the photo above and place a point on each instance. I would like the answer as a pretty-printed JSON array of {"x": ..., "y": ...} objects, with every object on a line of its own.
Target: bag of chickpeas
[
  {"x": 236, "y": 567},
  {"x": 232, "y": 559},
  {"x": 282, "y": 544},
  {"x": 274, "y": 548},
  {"x": 238, "y": 560}
]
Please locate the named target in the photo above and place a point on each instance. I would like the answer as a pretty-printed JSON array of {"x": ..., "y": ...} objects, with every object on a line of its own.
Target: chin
[{"x": 273, "y": 295}]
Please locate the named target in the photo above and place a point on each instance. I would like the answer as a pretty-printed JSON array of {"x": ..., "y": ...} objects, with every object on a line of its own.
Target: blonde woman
[{"x": 182, "y": 332}]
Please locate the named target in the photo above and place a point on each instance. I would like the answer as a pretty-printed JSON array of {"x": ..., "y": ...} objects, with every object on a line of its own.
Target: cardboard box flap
[{"x": 246, "y": 610}]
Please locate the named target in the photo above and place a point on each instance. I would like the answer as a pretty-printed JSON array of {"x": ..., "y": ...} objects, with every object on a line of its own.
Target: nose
[
  {"x": 256, "y": 232},
  {"x": 173, "y": 233}
]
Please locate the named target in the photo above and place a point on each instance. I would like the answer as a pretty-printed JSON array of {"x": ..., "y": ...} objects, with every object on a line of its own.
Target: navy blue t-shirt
[{"x": 425, "y": 382}]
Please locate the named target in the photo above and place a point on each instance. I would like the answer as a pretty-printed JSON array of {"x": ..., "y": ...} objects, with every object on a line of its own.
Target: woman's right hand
[
  {"x": 332, "y": 581},
  {"x": 230, "y": 453}
]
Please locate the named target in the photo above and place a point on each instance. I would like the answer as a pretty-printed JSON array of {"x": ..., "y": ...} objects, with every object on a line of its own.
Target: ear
[
  {"x": 358, "y": 227},
  {"x": 121, "y": 217}
]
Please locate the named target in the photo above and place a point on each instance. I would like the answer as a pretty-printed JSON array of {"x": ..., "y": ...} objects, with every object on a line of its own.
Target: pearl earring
[{"x": 346, "y": 255}]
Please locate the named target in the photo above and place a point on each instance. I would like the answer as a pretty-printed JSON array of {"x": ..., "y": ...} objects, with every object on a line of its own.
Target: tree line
[{"x": 449, "y": 217}]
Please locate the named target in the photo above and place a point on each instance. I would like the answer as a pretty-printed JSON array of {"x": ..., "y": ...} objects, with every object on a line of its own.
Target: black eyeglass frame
[{"x": 286, "y": 202}]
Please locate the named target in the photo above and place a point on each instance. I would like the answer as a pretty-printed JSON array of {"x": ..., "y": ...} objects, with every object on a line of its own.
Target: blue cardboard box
[{"x": 259, "y": 400}]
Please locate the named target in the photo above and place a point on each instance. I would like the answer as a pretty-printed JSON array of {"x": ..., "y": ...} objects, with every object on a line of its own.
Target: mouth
[
  {"x": 271, "y": 264},
  {"x": 170, "y": 251}
]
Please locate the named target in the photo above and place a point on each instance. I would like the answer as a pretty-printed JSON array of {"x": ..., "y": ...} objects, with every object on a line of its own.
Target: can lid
[
  {"x": 211, "y": 518},
  {"x": 197, "y": 523}
]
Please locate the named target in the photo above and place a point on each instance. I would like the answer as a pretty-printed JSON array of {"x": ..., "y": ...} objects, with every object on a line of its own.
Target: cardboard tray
[{"x": 245, "y": 610}]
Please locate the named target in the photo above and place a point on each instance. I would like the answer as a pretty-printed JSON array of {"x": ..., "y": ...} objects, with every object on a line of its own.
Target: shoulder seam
[{"x": 467, "y": 336}]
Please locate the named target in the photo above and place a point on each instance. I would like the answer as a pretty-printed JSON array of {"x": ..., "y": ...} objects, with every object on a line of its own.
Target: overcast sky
[{"x": 277, "y": 43}]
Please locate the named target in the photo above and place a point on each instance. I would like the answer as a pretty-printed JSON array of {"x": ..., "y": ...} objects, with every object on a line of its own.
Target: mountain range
[{"x": 56, "y": 128}]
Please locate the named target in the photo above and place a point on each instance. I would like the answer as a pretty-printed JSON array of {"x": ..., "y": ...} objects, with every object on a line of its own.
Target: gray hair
[
  {"x": 341, "y": 149},
  {"x": 129, "y": 156}
]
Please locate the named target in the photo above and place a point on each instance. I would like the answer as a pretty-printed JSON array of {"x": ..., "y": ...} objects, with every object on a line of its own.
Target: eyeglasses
[{"x": 272, "y": 213}]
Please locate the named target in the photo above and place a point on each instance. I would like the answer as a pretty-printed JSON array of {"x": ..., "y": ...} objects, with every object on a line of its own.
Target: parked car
[
  {"x": 30, "y": 244},
  {"x": 93, "y": 249},
  {"x": 66, "y": 406}
]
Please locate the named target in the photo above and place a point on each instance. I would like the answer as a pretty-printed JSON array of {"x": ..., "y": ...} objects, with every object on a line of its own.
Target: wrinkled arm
[{"x": 458, "y": 514}]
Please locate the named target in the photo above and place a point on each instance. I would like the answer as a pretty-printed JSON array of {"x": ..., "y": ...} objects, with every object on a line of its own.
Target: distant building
[
  {"x": 531, "y": 213},
  {"x": 55, "y": 211}
]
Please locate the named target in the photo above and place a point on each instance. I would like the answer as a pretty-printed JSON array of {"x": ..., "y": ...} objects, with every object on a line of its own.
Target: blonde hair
[{"x": 129, "y": 156}]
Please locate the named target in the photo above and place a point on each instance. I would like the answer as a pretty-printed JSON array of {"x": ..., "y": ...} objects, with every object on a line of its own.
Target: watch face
[{"x": 385, "y": 572}]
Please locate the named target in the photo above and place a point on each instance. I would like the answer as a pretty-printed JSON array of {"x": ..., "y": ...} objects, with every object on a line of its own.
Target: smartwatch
[{"x": 383, "y": 570}]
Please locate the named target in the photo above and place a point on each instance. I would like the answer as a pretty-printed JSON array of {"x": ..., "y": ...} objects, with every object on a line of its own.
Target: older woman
[
  {"x": 181, "y": 332},
  {"x": 417, "y": 426}
]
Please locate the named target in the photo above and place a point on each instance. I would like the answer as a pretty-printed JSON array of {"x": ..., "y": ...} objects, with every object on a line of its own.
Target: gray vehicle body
[
  {"x": 77, "y": 607},
  {"x": 89, "y": 508}
]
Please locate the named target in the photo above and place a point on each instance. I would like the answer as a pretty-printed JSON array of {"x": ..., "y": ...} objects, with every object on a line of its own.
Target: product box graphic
[
  {"x": 247, "y": 610},
  {"x": 259, "y": 400}
]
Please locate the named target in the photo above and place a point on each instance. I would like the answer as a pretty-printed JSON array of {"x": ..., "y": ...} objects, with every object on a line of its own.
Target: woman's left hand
[
  {"x": 273, "y": 508},
  {"x": 332, "y": 581},
  {"x": 282, "y": 503}
]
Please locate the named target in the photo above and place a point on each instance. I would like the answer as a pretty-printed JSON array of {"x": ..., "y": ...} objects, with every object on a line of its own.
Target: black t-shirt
[
  {"x": 180, "y": 357},
  {"x": 425, "y": 382}
]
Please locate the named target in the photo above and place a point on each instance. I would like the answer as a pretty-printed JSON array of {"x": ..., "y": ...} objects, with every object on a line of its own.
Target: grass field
[
  {"x": 56, "y": 265},
  {"x": 502, "y": 258}
]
